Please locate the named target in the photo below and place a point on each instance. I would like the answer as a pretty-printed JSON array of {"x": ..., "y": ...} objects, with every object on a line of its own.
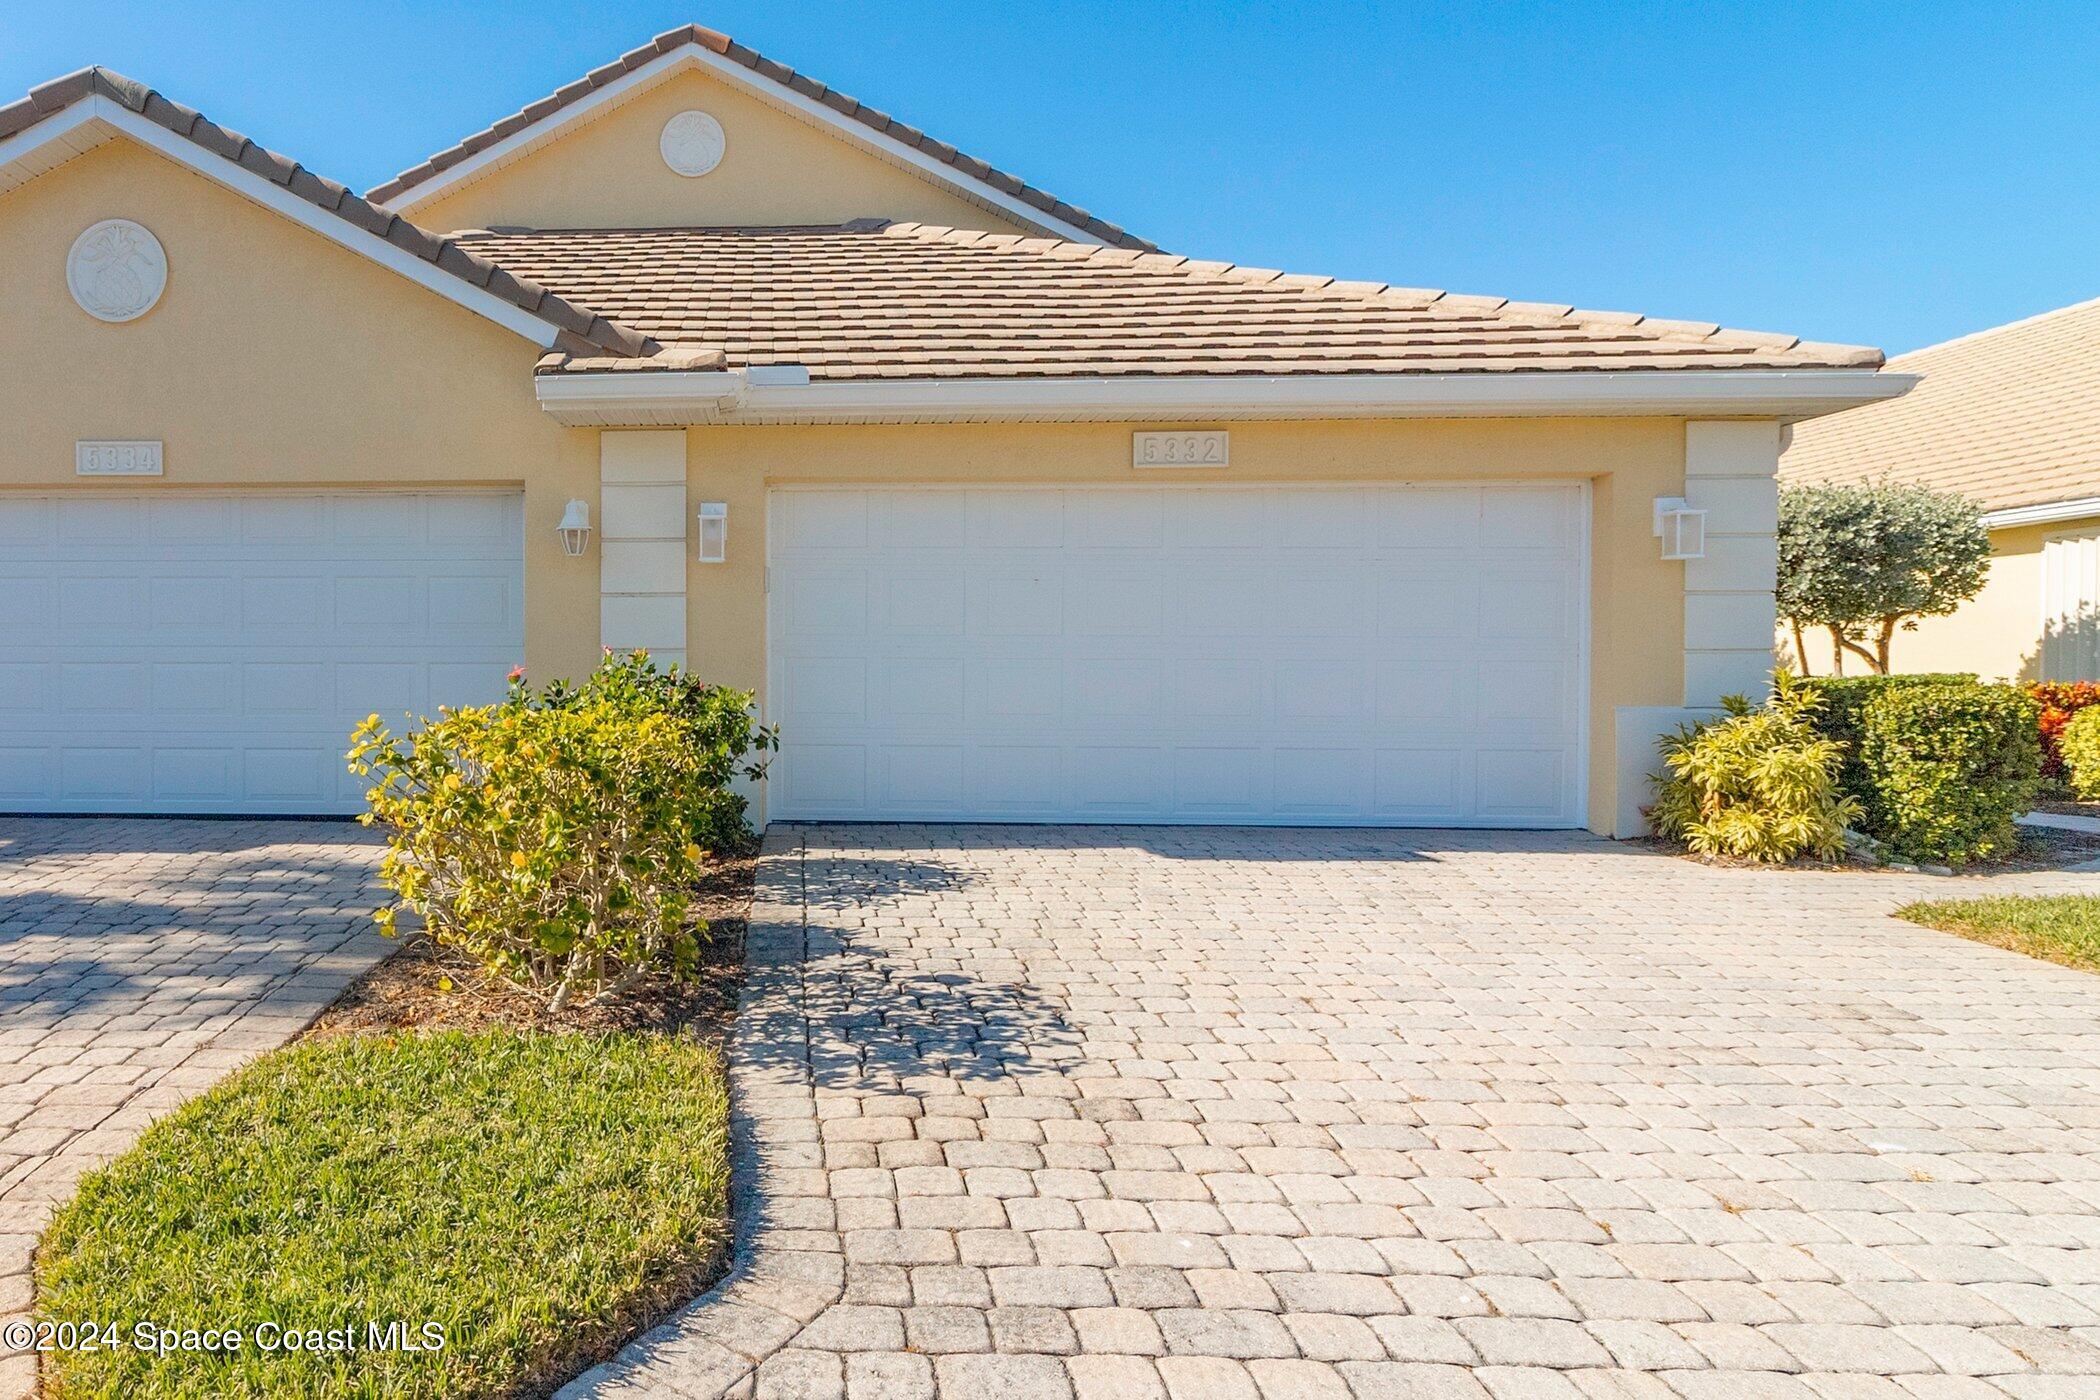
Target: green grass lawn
[
  {"x": 532, "y": 1194},
  {"x": 2063, "y": 928}
]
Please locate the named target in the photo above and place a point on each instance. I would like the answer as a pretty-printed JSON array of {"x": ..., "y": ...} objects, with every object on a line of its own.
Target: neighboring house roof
[
  {"x": 2009, "y": 417},
  {"x": 836, "y": 105},
  {"x": 874, "y": 299},
  {"x": 573, "y": 328}
]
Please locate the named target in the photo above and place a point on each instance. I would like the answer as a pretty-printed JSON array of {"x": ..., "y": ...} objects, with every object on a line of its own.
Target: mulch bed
[
  {"x": 2041, "y": 848},
  {"x": 424, "y": 987}
]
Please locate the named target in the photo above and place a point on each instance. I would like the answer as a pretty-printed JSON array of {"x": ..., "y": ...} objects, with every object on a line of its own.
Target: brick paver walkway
[
  {"x": 1219, "y": 1114},
  {"x": 141, "y": 961}
]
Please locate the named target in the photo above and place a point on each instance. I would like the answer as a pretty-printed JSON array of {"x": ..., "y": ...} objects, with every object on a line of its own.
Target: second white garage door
[{"x": 1391, "y": 655}]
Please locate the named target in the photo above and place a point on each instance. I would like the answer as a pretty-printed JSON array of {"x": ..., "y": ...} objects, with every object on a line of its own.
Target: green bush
[
  {"x": 1759, "y": 784},
  {"x": 1840, "y": 716},
  {"x": 556, "y": 837},
  {"x": 2079, "y": 743},
  {"x": 1949, "y": 765}
]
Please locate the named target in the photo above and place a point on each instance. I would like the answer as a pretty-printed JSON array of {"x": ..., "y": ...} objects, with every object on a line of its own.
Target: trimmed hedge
[
  {"x": 1941, "y": 764},
  {"x": 1841, "y": 715}
]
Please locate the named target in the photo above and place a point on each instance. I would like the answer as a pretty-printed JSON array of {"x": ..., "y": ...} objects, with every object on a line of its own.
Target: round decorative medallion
[
  {"x": 116, "y": 270},
  {"x": 692, "y": 143}
]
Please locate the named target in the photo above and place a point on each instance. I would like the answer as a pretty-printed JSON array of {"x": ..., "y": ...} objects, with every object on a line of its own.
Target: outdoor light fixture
[
  {"x": 714, "y": 532},
  {"x": 1681, "y": 528},
  {"x": 575, "y": 528}
]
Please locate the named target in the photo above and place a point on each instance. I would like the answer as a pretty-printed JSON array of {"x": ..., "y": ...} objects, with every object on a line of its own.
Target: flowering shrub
[
  {"x": 1758, "y": 784},
  {"x": 555, "y": 837},
  {"x": 2059, "y": 701}
]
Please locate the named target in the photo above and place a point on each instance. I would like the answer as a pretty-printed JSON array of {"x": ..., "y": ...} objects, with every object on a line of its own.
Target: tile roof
[
  {"x": 577, "y": 329},
  {"x": 873, "y": 299},
  {"x": 784, "y": 76},
  {"x": 2007, "y": 417}
]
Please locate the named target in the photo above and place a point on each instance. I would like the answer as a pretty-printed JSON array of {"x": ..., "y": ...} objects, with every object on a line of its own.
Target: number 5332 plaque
[{"x": 1180, "y": 449}]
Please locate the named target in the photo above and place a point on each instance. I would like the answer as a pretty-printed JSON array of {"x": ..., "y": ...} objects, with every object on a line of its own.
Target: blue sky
[{"x": 1880, "y": 173}]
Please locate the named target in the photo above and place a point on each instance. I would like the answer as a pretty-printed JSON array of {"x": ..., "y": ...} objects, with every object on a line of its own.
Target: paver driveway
[
  {"x": 141, "y": 961},
  {"x": 1219, "y": 1113}
]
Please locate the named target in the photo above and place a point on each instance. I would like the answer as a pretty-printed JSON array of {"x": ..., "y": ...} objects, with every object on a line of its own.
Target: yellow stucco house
[
  {"x": 1004, "y": 513},
  {"x": 2010, "y": 418}
]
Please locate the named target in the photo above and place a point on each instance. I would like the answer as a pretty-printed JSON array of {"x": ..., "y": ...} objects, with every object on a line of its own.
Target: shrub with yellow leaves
[
  {"x": 1758, "y": 783},
  {"x": 556, "y": 837}
]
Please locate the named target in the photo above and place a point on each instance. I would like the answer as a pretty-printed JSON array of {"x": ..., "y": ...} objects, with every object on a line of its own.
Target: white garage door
[
  {"x": 189, "y": 652},
  {"x": 1392, "y": 655}
]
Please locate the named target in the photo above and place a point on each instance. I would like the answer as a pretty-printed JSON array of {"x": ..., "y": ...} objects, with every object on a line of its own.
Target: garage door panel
[
  {"x": 25, "y": 524},
  {"x": 102, "y": 524},
  {"x": 1316, "y": 520},
  {"x": 1114, "y": 691},
  {"x": 1189, "y": 655},
  {"x": 1420, "y": 784},
  {"x": 1220, "y": 783},
  {"x": 26, "y": 773},
  {"x": 1520, "y": 784},
  {"x": 1319, "y": 783},
  {"x": 1121, "y": 782},
  {"x": 1018, "y": 604},
  {"x": 268, "y": 520},
  {"x": 1116, "y": 520},
  {"x": 1003, "y": 694},
  {"x": 22, "y": 686},
  {"x": 1444, "y": 518},
  {"x": 1015, "y": 520},
  {"x": 924, "y": 604},
  {"x": 919, "y": 521},
  {"x": 919, "y": 779},
  {"x": 1113, "y": 602},
  {"x": 921, "y": 695},
  {"x": 259, "y": 637},
  {"x": 196, "y": 773},
  {"x": 194, "y": 523},
  {"x": 1015, "y": 780},
  {"x": 101, "y": 772},
  {"x": 1208, "y": 693}
]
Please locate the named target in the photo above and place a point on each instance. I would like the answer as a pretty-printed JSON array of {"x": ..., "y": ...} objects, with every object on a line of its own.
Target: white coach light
[
  {"x": 1681, "y": 528},
  {"x": 575, "y": 528},
  {"x": 714, "y": 532}
]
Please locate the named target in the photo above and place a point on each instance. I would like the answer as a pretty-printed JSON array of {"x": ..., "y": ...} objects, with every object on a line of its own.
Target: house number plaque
[{"x": 1180, "y": 449}]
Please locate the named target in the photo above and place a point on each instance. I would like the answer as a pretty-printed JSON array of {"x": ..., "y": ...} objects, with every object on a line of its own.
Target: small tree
[{"x": 1864, "y": 561}]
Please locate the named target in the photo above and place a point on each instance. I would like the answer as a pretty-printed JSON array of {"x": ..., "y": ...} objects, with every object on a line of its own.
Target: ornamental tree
[{"x": 1863, "y": 562}]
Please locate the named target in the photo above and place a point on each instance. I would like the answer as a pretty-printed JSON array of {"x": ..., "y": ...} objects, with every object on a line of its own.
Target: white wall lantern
[
  {"x": 714, "y": 532},
  {"x": 1681, "y": 528},
  {"x": 575, "y": 528}
]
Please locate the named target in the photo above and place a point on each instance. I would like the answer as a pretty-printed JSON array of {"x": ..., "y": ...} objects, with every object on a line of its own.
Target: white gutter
[
  {"x": 2048, "y": 514},
  {"x": 784, "y": 394}
]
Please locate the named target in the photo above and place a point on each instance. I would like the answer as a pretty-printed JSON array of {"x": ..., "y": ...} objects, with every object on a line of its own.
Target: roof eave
[
  {"x": 670, "y": 398},
  {"x": 2046, "y": 513}
]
